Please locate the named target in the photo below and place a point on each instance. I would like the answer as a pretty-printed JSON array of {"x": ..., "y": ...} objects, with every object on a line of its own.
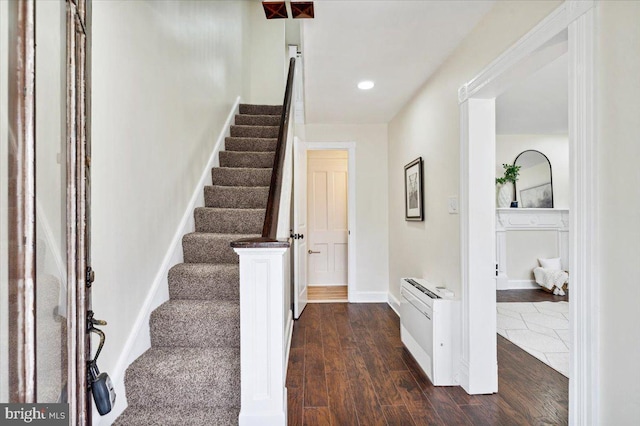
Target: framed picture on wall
[
  {"x": 537, "y": 197},
  {"x": 413, "y": 193}
]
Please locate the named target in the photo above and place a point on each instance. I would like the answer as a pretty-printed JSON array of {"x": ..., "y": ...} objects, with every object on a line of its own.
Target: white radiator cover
[{"x": 430, "y": 330}]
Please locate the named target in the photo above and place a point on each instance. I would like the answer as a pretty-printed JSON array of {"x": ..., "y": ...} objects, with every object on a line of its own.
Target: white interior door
[
  {"x": 300, "y": 229},
  {"x": 328, "y": 218}
]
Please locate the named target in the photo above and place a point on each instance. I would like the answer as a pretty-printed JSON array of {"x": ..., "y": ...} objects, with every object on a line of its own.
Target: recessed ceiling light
[{"x": 366, "y": 85}]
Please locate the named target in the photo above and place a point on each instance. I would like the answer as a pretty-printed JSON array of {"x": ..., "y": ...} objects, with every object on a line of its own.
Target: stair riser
[
  {"x": 142, "y": 393},
  {"x": 188, "y": 282},
  {"x": 254, "y": 131},
  {"x": 196, "y": 329},
  {"x": 203, "y": 250},
  {"x": 225, "y": 176},
  {"x": 246, "y": 159},
  {"x": 260, "y": 109},
  {"x": 257, "y": 120},
  {"x": 236, "y": 197},
  {"x": 229, "y": 221},
  {"x": 250, "y": 144}
]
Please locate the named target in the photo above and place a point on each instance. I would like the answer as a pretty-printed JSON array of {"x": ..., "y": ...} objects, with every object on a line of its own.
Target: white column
[
  {"x": 479, "y": 362},
  {"x": 262, "y": 363}
]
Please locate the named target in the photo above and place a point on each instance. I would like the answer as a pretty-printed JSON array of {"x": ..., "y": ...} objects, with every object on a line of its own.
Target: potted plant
[{"x": 505, "y": 190}]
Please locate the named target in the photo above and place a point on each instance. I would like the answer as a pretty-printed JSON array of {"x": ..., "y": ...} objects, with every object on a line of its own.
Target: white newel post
[{"x": 263, "y": 392}]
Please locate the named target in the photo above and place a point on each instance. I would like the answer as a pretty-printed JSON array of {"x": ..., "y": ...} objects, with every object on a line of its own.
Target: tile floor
[{"x": 540, "y": 328}]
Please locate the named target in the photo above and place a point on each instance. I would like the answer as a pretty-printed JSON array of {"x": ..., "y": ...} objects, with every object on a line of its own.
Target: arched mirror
[{"x": 534, "y": 188}]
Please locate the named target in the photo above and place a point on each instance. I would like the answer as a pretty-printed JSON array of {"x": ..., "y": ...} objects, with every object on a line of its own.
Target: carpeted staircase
[{"x": 191, "y": 373}]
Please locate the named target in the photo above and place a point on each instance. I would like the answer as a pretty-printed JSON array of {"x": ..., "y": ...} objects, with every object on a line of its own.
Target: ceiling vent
[
  {"x": 278, "y": 9},
  {"x": 275, "y": 9},
  {"x": 302, "y": 9}
]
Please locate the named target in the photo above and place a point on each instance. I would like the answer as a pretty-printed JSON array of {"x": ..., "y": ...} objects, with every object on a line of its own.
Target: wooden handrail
[{"x": 270, "y": 227}]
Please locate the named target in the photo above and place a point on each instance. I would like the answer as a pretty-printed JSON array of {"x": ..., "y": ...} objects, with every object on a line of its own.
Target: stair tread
[
  {"x": 204, "y": 281},
  {"x": 236, "y": 196},
  {"x": 229, "y": 220},
  {"x": 260, "y": 153},
  {"x": 257, "y": 115},
  {"x": 169, "y": 376},
  {"x": 196, "y": 307},
  {"x": 219, "y": 236},
  {"x": 238, "y": 187},
  {"x": 248, "y": 138},
  {"x": 206, "y": 247},
  {"x": 196, "y": 323},
  {"x": 201, "y": 268},
  {"x": 253, "y": 159},
  {"x": 260, "y": 109},
  {"x": 253, "y": 126},
  {"x": 233, "y": 144},
  {"x": 230, "y": 209},
  {"x": 254, "y": 131},
  {"x": 178, "y": 416},
  {"x": 243, "y": 169},
  {"x": 257, "y": 120}
]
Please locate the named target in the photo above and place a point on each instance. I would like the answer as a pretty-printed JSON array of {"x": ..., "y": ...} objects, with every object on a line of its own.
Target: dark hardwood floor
[
  {"x": 348, "y": 367},
  {"x": 534, "y": 295}
]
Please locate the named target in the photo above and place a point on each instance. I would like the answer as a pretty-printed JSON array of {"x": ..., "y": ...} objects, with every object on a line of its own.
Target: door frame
[
  {"x": 22, "y": 205},
  {"x": 21, "y": 200},
  {"x": 350, "y": 147},
  {"x": 478, "y": 373},
  {"x": 79, "y": 272}
]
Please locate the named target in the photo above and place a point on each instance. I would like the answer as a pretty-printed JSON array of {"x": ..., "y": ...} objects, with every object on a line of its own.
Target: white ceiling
[
  {"x": 397, "y": 44},
  {"x": 537, "y": 105}
]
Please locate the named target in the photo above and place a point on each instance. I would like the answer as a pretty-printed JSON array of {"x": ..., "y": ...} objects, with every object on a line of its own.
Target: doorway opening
[
  {"x": 478, "y": 223},
  {"x": 533, "y": 233},
  {"x": 328, "y": 225},
  {"x": 305, "y": 243}
]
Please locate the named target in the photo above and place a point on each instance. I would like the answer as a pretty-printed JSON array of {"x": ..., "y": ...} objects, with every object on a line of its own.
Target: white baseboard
[
  {"x": 139, "y": 339},
  {"x": 394, "y": 303},
  {"x": 462, "y": 378},
  {"x": 368, "y": 297},
  {"x": 517, "y": 285},
  {"x": 327, "y": 285}
]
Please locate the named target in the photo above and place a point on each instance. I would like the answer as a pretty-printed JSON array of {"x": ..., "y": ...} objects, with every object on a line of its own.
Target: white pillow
[{"x": 552, "y": 264}]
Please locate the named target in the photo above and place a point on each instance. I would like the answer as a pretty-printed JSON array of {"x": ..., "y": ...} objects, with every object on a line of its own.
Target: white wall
[
  {"x": 268, "y": 56},
  {"x": 372, "y": 231},
  {"x": 165, "y": 76},
  {"x": 428, "y": 127},
  {"x": 618, "y": 94},
  {"x": 555, "y": 147},
  {"x": 524, "y": 248}
]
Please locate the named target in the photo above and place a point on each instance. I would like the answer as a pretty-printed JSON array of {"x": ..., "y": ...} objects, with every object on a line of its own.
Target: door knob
[
  {"x": 314, "y": 252},
  {"x": 297, "y": 236}
]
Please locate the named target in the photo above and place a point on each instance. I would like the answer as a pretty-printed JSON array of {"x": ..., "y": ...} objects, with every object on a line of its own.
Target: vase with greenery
[{"x": 505, "y": 188}]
